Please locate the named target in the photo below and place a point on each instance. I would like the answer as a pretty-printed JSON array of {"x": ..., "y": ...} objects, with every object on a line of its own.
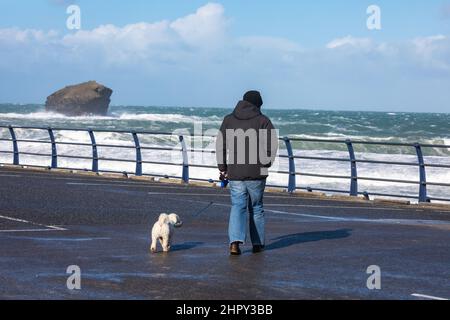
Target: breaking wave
[{"x": 360, "y": 126}]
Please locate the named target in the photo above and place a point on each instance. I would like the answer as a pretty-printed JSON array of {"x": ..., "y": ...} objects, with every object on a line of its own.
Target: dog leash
[
  {"x": 203, "y": 210},
  {"x": 224, "y": 183}
]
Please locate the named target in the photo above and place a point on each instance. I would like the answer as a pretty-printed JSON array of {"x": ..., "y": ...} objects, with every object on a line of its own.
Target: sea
[{"x": 406, "y": 127}]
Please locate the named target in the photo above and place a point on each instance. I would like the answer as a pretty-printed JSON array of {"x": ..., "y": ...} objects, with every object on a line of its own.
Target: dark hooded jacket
[{"x": 246, "y": 116}]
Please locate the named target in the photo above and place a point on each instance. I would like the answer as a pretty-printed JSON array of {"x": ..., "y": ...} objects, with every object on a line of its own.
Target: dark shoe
[
  {"x": 258, "y": 248},
  {"x": 234, "y": 249}
]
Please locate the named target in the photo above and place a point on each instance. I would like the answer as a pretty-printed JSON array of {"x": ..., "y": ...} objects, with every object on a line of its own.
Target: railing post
[
  {"x": 15, "y": 146},
  {"x": 94, "y": 151},
  {"x": 292, "y": 176},
  {"x": 423, "y": 177},
  {"x": 185, "y": 174},
  {"x": 138, "y": 171},
  {"x": 353, "y": 169},
  {"x": 54, "y": 154}
]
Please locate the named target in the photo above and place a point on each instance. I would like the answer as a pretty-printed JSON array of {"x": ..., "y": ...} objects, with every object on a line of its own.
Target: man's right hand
[{"x": 223, "y": 176}]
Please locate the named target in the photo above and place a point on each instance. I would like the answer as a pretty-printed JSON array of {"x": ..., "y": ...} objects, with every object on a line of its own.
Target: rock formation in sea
[{"x": 88, "y": 98}]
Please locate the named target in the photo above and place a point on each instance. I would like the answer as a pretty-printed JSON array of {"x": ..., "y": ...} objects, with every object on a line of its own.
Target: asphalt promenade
[{"x": 316, "y": 248}]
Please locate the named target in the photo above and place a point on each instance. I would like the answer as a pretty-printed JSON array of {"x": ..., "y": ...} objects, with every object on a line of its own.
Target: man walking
[{"x": 246, "y": 147}]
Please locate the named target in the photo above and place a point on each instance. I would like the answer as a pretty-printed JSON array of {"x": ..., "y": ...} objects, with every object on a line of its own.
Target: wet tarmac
[{"x": 316, "y": 248}]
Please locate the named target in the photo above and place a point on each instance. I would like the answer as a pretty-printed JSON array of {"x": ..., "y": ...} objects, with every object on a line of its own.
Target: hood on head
[
  {"x": 254, "y": 97},
  {"x": 245, "y": 110}
]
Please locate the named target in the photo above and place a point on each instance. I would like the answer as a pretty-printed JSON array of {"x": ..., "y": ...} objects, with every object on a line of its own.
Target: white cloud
[
  {"x": 153, "y": 42},
  {"x": 199, "y": 30},
  {"x": 428, "y": 44},
  {"x": 349, "y": 41},
  {"x": 205, "y": 27},
  {"x": 18, "y": 36},
  {"x": 433, "y": 52},
  {"x": 129, "y": 44}
]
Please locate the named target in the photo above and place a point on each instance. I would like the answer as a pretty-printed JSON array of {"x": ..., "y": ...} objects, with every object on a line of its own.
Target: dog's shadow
[
  {"x": 297, "y": 238},
  {"x": 185, "y": 246}
]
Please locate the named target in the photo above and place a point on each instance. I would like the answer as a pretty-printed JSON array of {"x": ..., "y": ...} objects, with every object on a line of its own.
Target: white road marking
[
  {"x": 66, "y": 239},
  {"x": 128, "y": 185},
  {"x": 166, "y": 187},
  {"x": 49, "y": 228},
  {"x": 187, "y": 194},
  {"x": 353, "y": 219},
  {"x": 91, "y": 178},
  {"x": 119, "y": 182},
  {"x": 227, "y": 195},
  {"x": 321, "y": 206},
  {"x": 418, "y": 295},
  {"x": 28, "y": 230},
  {"x": 282, "y": 205},
  {"x": 9, "y": 175}
]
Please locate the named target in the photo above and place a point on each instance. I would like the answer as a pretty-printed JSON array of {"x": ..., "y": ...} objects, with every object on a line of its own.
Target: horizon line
[{"x": 271, "y": 108}]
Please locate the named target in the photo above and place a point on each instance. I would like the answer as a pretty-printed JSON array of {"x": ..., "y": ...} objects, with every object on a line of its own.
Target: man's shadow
[
  {"x": 297, "y": 238},
  {"x": 185, "y": 246}
]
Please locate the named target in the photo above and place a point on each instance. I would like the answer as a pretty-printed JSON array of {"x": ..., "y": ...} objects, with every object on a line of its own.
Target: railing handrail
[
  {"x": 371, "y": 142},
  {"x": 339, "y": 141},
  {"x": 292, "y": 173},
  {"x": 162, "y": 133}
]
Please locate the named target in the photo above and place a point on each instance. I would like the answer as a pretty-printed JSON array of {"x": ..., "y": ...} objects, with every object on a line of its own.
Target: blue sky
[{"x": 300, "y": 54}]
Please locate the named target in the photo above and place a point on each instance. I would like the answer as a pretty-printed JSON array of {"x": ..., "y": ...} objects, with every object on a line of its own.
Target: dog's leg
[
  {"x": 154, "y": 242},
  {"x": 166, "y": 244},
  {"x": 161, "y": 242}
]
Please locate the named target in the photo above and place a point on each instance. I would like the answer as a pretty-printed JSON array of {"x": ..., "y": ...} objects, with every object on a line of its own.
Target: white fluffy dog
[{"x": 163, "y": 230}]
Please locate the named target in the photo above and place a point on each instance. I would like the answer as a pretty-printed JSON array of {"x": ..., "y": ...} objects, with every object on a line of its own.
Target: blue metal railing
[
  {"x": 292, "y": 174},
  {"x": 354, "y": 178}
]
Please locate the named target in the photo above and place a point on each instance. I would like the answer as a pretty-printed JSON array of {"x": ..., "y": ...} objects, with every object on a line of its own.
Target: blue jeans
[{"x": 247, "y": 194}]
